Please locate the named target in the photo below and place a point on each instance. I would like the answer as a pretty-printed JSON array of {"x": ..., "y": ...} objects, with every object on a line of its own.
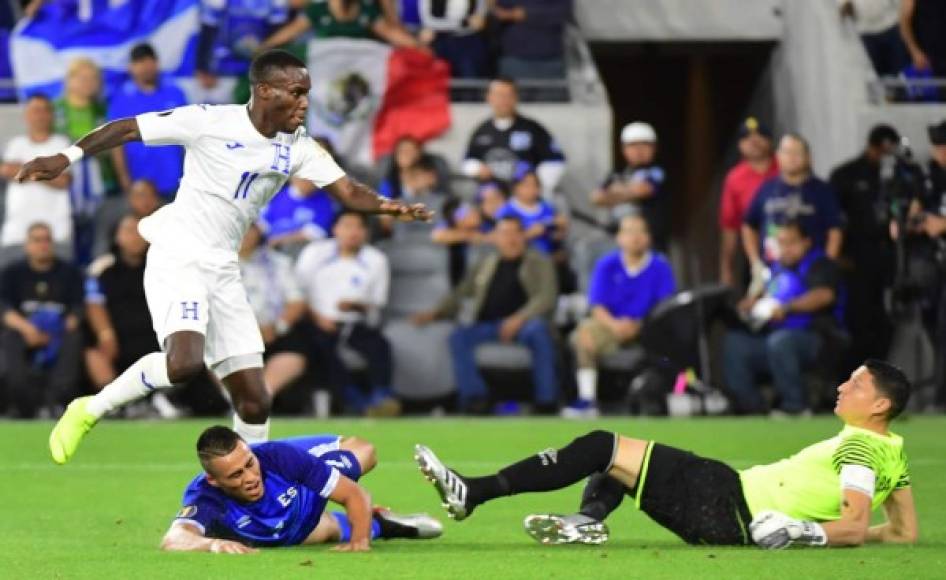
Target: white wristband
[{"x": 73, "y": 153}]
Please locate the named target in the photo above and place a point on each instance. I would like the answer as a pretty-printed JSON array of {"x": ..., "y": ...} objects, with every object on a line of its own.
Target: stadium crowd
[{"x": 810, "y": 260}]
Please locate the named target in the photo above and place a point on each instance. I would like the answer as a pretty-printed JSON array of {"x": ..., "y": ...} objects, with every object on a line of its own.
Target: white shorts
[{"x": 201, "y": 294}]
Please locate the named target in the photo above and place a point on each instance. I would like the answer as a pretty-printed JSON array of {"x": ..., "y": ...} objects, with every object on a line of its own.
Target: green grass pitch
[{"x": 102, "y": 515}]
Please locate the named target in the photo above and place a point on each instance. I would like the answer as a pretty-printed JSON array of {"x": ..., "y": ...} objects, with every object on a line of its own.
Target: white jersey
[{"x": 230, "y": 172}]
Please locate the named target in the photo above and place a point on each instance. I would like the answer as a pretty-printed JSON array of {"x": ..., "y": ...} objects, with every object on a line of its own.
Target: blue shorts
[{"x": 325, "y": 447}]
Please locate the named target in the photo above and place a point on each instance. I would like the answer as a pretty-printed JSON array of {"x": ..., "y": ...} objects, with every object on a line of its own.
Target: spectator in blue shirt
[
  {"x": 625, "y": 286},
  {"x": 298, "y": 214},
  {"x": 544, "y": 226},
  {"x": 145, "y": 92},
  {"x": 795, "y": 194},
  {"x": 799, "y": 299}
]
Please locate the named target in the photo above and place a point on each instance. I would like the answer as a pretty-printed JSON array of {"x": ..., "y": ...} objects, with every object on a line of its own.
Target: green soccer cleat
[{"x": 69, "y": 431}]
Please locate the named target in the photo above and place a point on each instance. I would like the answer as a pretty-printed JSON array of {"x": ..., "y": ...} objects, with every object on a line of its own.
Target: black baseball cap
[
  {"x": 937, "y": 133},
  {"x": 753, "y": 125},
  {"x": 142, "y": 51}
]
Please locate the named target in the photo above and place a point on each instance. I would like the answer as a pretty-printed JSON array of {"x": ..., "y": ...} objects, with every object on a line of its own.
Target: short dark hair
[
  {"x": 350, "y": 212},
  {"x": 892, "y": 384},
  {"x": 425, "y": 163},
  {"x": 141, "y": 51},
  {"x": 506, "y": 81},
  {"x": 39, "y": 226},
  {"x": 272, "y": 60},
  {"x": 797, "y": 225},
  {"x": 511, "y": 218},
  {"x": 216, "y": 441},
  {"x": 881, "y": 134}
]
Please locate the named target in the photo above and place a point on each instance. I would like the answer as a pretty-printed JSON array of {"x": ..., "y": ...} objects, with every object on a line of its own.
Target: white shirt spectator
[
  {"x": 35, "y": 201},
  {"x": 270, "y": 284},
  {"x": 328, "y": 278}
]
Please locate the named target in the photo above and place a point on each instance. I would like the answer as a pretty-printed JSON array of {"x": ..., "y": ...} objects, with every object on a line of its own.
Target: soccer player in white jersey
[{"x": 237, "y": 158}]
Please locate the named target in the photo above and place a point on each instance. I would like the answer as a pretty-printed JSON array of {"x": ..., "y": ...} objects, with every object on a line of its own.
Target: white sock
[
  {"x": 588, "y": 384},
  {"x": 250, "y": 433},
  {"x": 138, "y": 380}
]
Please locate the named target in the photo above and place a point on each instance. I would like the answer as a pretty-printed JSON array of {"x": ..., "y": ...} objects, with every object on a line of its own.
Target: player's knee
[
  {"x": 364, "y": 450},
  {"x": 182, "y": 369},
  {"x": 255, "y": 408}
]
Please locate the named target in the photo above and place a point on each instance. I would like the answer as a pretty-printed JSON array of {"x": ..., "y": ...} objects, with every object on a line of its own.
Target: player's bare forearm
[
  {"x": 359, "y": 197},
  {"x": 101, "y": 139},
  {"x": 109, "y": 135},
  {"x": 357, "y": 504},
  {"x": 182, "y": 537},
  {"x": 852, "y": 528}
]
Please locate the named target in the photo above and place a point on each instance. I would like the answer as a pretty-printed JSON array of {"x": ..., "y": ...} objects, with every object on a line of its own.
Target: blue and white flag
[{"x": 104, "y": 31}]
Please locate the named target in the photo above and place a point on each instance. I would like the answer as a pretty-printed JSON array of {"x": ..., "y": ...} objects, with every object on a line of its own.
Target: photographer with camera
[{"x": 868, "y": 253}]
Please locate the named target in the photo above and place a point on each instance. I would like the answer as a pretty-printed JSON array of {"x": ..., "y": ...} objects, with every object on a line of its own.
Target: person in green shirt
[
  {"x": 822, "y": 495},
  {"x": 342, "y": 18},
  {"x": 77, "y": 112}
]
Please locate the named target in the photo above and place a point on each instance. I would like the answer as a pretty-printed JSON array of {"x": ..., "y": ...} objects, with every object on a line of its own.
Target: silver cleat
[
  {"x": 450, "y": 486},
  {"x": 426, "y": 526},
  {"x": 572, "y": 529}
]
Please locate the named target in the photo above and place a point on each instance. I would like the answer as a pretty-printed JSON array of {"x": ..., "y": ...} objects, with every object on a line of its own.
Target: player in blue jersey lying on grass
[{"x": 275, "y": 494}]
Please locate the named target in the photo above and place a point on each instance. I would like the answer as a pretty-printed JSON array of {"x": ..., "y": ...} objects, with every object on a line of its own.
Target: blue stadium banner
[{"x": 104, "y": 31}]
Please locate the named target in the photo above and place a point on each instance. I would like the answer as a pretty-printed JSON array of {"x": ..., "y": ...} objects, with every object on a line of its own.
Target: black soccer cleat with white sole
[
  {"x": 572, "y": 529},
  {"x": 451, "y": 486},
  {"x": 407, "y": 526}
]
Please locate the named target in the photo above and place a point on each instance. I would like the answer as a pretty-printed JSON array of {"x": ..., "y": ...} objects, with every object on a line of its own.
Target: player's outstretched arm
[
  {"x": 357, "y": 504},
  {"x": 183, "y": 537},
  {"x": 359, "y": 197},
  {"x": 107, "y": 136},
  {"x": 901, "y": 526}
]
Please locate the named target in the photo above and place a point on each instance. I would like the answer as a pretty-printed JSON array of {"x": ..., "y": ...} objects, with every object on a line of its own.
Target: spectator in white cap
[{"x": 638, "y": 187}]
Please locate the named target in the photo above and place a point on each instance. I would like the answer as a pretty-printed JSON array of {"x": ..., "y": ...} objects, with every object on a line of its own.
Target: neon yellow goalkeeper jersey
[{"x": 807, "y": 485}]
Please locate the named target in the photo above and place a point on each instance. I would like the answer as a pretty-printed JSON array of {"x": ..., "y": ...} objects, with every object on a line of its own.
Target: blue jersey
[
  {"x": 164, "y": 165},
  {"x": 627, "y": 294},
  {"x": 543, "y": 213},
  {"x": 813, "y": 203},
  {"x": 288, "y": 214},
  {"x": 241, "y": 26},
  {"x": 298, "y": 474}
]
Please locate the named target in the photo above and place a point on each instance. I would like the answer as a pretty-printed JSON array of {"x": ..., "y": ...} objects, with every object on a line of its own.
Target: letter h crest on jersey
[{"x": 281, "y": 157}]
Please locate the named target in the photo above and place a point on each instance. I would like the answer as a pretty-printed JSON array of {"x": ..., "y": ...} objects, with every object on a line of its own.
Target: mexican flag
[{"x": 366, "y": 95}]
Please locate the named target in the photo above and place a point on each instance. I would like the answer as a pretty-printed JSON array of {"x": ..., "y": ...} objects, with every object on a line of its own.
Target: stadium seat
[
  {"x": 419, "y": 276},
  {"x": 502, "y": 356},
  {"x": 422, "y": 367}
]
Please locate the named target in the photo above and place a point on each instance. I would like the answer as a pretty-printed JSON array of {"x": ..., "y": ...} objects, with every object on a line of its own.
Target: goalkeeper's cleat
[
  {"x": 451, "y": 486},
  {"x": 413, "y": 526},
  {"x": 573, "y": 529},
  {"x": 69, "y": 431}
]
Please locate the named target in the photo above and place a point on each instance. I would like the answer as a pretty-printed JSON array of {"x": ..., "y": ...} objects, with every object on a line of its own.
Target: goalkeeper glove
[{"x": 773, "y": 531}]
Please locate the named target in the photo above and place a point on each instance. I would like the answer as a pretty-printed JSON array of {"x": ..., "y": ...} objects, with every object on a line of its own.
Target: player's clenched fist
[
  {"x": 773, "y": 531},
  {"x": 42, "y": 168},
  {"x": 228, "y": 547}
]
